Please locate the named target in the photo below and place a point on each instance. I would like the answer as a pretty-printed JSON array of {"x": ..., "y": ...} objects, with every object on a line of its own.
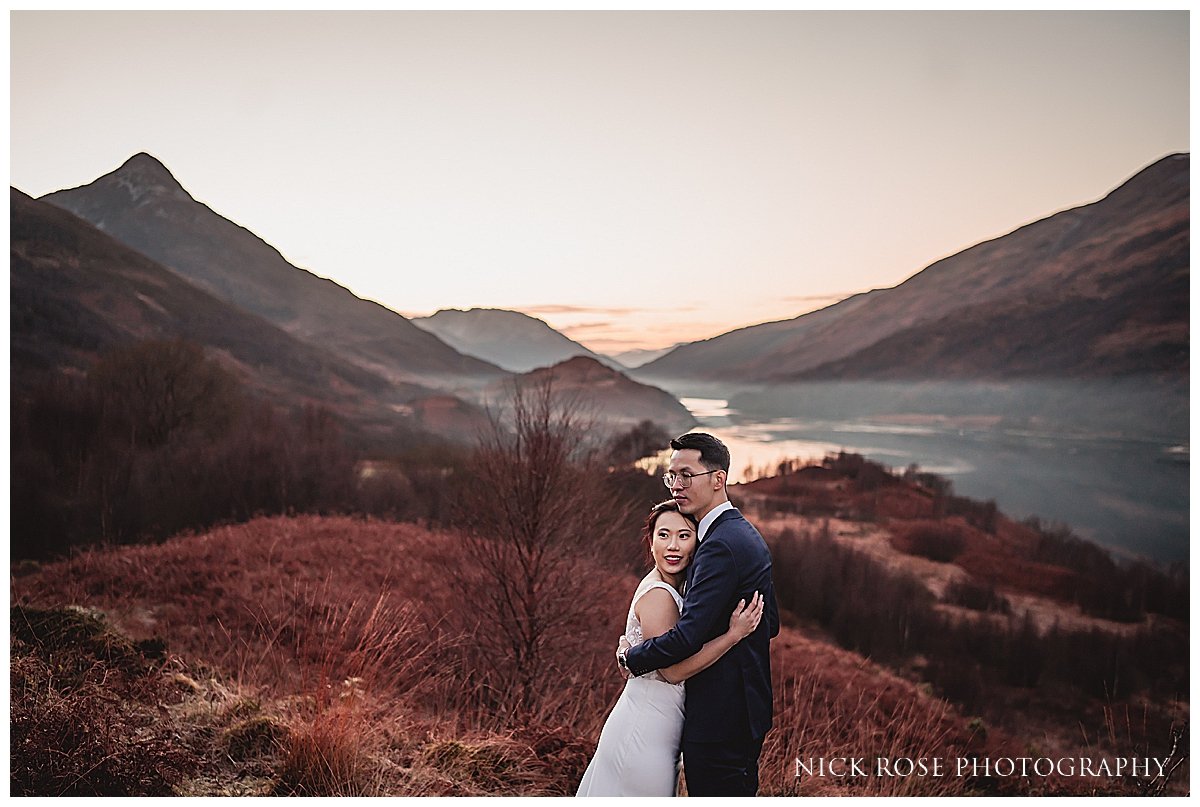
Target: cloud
[
  {"x": 589, "y": 309},
  {"x": 610, "y": 344},
  {"x": 589, "y": 326},
  {"x": 617, "y": 344}
]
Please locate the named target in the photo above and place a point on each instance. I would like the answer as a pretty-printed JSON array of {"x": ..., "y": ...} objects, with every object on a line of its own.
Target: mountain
[
  {"x": 142, "y": 205},
  {"x": 632, "y": 359},
  {"x": 604, "y": 395},
  {"x": 76, "y": 292},
  {"x": 508, "y": 339},
  {"x": 1095, "y": 291},
  {"x": 721, "y": 356}
]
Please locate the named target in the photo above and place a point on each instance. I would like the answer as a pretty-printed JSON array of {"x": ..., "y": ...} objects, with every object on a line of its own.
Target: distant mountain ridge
[
  {"x": 81, "y": 284},
  {"x": 632, "y": 359},
  {"x": 76, "y": 292},
  {"x": 1097, "y": 290},
  {"x": 720, "y": 356},
  {"x": 144, "y": 206},
  {"x": 509, "y": 339}
]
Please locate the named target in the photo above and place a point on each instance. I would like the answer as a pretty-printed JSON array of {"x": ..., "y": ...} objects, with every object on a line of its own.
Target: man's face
[{"x": 700, "y": 496}]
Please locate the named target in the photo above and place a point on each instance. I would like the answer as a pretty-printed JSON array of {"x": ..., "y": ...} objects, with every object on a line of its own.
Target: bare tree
[
  {"x": 536, "y": 509},
  {"x": 155, "y": 388}
]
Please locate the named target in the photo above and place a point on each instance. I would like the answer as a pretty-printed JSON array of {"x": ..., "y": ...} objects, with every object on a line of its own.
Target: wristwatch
[{"x": 621, "y": 662}]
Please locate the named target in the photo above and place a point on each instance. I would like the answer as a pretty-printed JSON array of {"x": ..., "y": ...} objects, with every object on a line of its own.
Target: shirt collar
[{"x": 708, "y": 520}]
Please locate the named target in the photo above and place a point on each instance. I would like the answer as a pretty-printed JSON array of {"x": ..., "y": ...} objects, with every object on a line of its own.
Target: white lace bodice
[{"x": 633, "y": 627}]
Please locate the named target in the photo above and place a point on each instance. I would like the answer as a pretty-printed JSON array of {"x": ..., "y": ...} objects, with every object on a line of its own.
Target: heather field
[
  {"x": 345, "y": 656},
  {"x": 346, "y": 644}
]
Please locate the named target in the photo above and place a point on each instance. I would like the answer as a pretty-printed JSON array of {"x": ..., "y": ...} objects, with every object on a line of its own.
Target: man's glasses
[{"x": 684, "y": 479}]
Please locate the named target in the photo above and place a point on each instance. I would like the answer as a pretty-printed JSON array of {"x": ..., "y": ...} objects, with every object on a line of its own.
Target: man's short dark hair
[{"x": 713, "y": 454}]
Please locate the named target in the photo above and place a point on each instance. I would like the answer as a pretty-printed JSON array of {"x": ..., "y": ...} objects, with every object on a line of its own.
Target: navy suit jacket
[{"x": 730, "y": 701}]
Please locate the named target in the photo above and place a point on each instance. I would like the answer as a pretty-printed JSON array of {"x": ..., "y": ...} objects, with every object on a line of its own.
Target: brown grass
[
  {"x": 938, "y": 541},
  {"x": 336, "y": 656},
  {"x": 832, "y": 703},
  {"x": 352, "y": 635},
  {"x": 84, "y": 719}
]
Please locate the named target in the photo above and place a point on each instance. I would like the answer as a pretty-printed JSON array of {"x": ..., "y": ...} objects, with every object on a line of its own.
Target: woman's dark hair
[
  {"x": 669, "y": 506},
  {"x": 713, "y": 454}
]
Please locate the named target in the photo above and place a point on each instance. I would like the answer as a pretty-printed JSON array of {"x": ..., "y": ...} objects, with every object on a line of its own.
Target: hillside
[
  {"x": 508, "y": 339},
  {"x": 142, "y": 205},
  {"x": 76, "y": 292},
  {"x": 240, "y": 648},
  {"x": 1099, "y": 290},
  {"x": 723, "y": 356},
  {"x": 604, "y": 395},
  {"x": 336, "y": 656}
]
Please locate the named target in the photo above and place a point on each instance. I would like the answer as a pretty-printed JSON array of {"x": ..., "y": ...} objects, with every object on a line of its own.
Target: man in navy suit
[{"x": 728, "y": 705}]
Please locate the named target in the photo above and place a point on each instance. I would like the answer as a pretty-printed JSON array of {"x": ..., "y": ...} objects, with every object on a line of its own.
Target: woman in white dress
[{"x": 638, "y": 752}]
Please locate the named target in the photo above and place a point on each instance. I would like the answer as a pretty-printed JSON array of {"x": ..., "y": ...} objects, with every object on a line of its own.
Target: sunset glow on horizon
[{"x": 635, "y": 179}]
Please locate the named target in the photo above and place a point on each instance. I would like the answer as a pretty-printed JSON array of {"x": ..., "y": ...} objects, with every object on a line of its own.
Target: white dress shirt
[{"x": 707, "y": 521}]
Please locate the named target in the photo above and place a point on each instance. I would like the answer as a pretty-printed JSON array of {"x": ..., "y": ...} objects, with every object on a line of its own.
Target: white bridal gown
[{"x": 638, "y": 752}]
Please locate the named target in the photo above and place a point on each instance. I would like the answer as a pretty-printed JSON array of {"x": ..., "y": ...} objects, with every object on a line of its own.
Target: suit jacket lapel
[
  {"x": 719, "y": 520},
  {"x": 692, "y": 566}
]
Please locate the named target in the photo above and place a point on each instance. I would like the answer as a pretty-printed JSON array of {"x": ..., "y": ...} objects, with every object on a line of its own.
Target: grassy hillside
[{"x": 333, "y": 655}]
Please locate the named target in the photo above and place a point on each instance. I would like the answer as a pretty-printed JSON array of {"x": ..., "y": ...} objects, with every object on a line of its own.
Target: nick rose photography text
[{"x": 851, "y": 767}]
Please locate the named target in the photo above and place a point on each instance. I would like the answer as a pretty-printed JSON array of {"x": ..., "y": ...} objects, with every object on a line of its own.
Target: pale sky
[{"x": 634, "y": 179}]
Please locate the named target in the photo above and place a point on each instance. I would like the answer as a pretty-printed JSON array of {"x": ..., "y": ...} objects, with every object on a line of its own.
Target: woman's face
[{"x": 672, "y": 543}]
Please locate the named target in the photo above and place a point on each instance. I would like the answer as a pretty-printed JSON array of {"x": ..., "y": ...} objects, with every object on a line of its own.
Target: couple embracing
[{"x": 705, "y": 614}]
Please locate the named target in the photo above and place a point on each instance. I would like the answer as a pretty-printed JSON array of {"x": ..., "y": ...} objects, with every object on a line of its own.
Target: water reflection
[
  {"x": 1129, "y": 494},
  {"x": 755, "y": 448}
]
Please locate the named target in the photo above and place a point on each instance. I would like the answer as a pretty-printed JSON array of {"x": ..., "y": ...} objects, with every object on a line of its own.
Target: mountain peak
[
  {"x": 144, "y": 161},
  {"x": 605, "y": 396},
  {"x": 476, "y": 313},
  {"x": 585, "y": 363},
  {"x": 144, "y": 175},
  {"x": 513, "y": 340},
  {"x": 580, "y": 368}
]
